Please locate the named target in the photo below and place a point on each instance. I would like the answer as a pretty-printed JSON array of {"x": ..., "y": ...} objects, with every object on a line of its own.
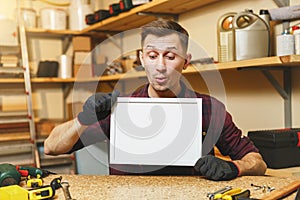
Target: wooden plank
[
  {"x": 7, "y": 137},
  {"x": 284, "y": 191},
  {"x": 284, "y": 172}
]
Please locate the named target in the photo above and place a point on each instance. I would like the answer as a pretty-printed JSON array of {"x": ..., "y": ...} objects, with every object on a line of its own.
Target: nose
[{"x": 161, "y": 65}]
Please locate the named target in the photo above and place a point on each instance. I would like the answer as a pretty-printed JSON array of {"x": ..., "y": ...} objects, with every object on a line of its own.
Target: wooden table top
[{"x": 89, "y": 187}]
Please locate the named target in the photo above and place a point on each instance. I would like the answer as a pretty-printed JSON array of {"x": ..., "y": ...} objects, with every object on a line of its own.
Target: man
[{"x": 164, "y": 56}]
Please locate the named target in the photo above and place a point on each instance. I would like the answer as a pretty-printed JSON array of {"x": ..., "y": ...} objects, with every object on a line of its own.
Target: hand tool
[
  {"x": 65, "y": 186},
  {"x": 34, "y": 182},
  {"x": 233, "y": 194},
  {"x": 9, "y": 175},
  {"x": 212, "y": 195},
  {"x": 13, "y": 192},
  {"x": 33, "y": 171}
]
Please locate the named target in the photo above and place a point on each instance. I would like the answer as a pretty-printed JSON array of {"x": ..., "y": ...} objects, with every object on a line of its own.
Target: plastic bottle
[
  {"x": 264, "y": 14},
  {"x": 78, "y": 10},
  {"x": 251, "y": 36},
  {"x": 285, "y": 44},
  {"x": 297, "y": 40},
  {"x": 225, "y": 37}
]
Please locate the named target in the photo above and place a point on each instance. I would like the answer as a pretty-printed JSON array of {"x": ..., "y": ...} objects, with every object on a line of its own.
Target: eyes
[{"x": 168, "y": 55}]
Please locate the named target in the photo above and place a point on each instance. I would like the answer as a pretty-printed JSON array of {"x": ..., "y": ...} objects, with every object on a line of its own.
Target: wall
[{"x": 250, "y": 98}]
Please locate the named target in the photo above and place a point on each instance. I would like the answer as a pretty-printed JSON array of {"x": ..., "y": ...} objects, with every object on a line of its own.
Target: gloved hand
[
  {"x": 216, "y": 169},
  {"x": 97, "y": 107}
]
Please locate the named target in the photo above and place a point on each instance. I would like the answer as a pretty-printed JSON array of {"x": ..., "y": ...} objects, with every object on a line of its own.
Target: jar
[
  {"x": 53, "y": 19},
  {"x": 29, "y": 17}
]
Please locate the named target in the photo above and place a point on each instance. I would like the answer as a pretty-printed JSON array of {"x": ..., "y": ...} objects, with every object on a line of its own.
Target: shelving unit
[{"x": 131, "y": 19}]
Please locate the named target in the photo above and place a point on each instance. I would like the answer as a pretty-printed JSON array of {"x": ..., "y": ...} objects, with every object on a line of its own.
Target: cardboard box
[
  {"x": 81, "y": 43},
  {"x": 83, "y": 71},
  {"x": 82, "y": 57},
  {"x": 82, "y": 64}
]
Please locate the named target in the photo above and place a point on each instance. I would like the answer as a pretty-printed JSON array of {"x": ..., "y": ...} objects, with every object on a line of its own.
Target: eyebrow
[{"x": 153, "y": 47}]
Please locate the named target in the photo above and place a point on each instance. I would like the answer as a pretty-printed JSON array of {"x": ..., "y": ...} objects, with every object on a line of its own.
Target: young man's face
[{"x": 164, "y": 59}]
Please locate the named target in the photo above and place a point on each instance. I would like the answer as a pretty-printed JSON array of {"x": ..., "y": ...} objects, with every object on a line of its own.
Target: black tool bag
[{"x": 280, "y": 148}]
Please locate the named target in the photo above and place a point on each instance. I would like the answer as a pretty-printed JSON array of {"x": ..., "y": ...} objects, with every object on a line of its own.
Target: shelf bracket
[
  {"x": 66, "y": 91},
  {"x": 284, "y": 90},
  {"x": 160, "y": 15},
  {"x": 66, "y": 43},
  {"x": 275, "y": 84},
  {"x": 287, "y": 77}
]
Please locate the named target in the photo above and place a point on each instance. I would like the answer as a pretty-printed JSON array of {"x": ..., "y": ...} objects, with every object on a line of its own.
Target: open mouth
[{"x": 161, "y": 80}]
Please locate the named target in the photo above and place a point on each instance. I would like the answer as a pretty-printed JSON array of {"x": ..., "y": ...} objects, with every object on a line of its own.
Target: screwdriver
[{"x": 33, "y": 171}]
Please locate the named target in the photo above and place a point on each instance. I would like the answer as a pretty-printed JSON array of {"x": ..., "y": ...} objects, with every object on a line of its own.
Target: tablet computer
[{"x": 156, "y": 131}]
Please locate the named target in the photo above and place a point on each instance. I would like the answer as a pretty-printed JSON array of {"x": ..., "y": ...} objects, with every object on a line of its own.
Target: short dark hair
[{"x": 163, "y": 27}]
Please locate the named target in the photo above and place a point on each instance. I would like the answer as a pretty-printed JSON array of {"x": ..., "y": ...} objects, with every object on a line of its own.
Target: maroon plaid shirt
[{"x": 217, "y": 128}]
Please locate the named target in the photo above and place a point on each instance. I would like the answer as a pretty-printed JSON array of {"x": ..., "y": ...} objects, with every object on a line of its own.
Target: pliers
[{"x": 233, "y": 194}]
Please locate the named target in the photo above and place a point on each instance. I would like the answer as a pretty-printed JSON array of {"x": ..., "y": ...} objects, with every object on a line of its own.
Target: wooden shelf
[
  {"x": 132, "y": 19},
  {"x": 51, "y": 33},
  {"x": 8, "y": 137},
  {"x": 127, "y": 20},
  {"x": 61, "y": 34},
  {"x": 274, "y": 61}
]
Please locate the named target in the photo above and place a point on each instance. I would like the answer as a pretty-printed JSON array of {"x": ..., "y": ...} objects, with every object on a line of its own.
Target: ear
[
  {"x": 141, "y": 57},
  {"x": 187, "y": 60}
]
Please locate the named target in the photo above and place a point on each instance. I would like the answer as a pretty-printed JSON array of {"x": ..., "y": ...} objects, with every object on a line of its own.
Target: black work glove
[
  {"x": 216, "y": 169},
  {"x": 97, "y": 107}
]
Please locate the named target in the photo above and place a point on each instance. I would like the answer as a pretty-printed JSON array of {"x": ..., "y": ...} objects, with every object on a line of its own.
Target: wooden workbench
[{"x": 87, "y": 187}]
